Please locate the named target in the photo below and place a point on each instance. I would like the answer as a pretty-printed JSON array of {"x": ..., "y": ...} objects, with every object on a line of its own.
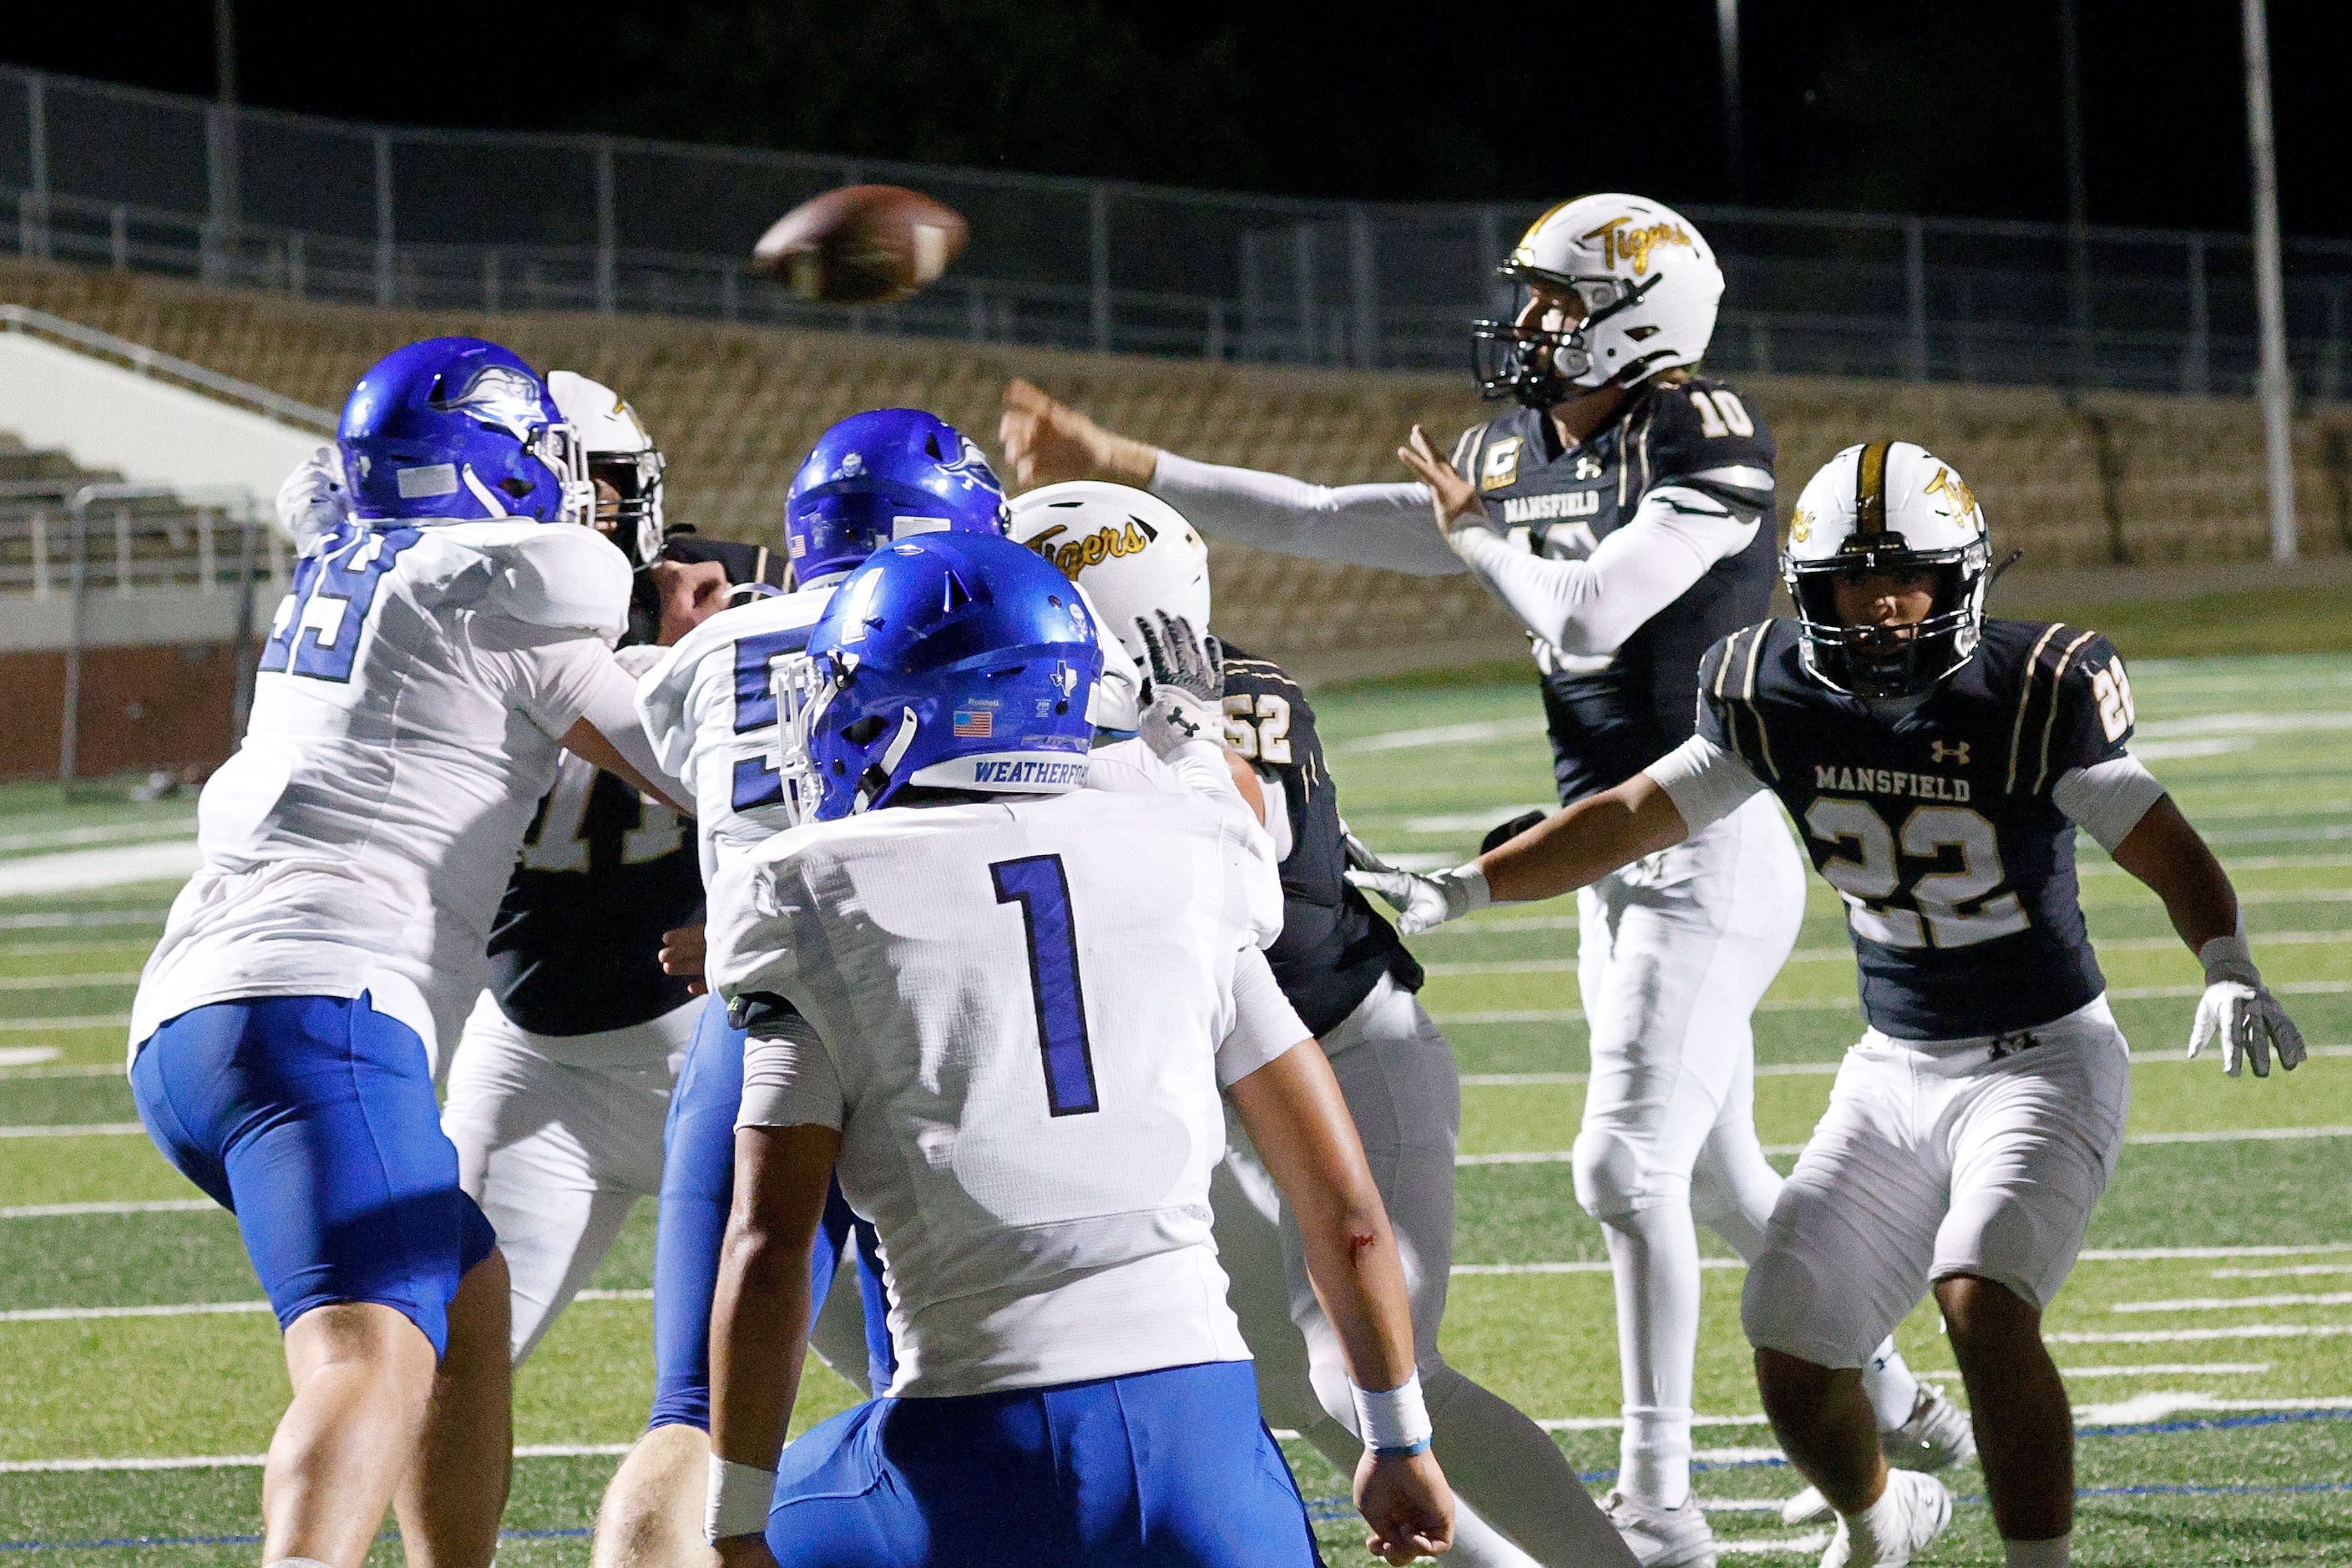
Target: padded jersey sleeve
[
  {"x": 2108, "y": 799},
  {"x": 1383, "y": 525},
  {"x": 559, "y": 575},
  {"x": 1705, "y": 783},
  {"x": 1265, "y": 1026},
  {"x": 2092, "y": 718}
]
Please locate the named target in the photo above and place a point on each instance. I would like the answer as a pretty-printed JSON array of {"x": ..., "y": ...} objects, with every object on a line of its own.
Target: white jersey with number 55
[
  {"x": 406, "y": 718},
  {"x": 1019, "y": 1014},
  {"x": 709, "y": 709}
]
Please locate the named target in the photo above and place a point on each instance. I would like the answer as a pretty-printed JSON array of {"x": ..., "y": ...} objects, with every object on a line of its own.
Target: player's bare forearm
[
  {"x": 1046, "y": 442},
  {"x": 2165, "y": 852},
  {"x": 1583, "y": 843},
  {"x": 1298, "y": 1120},
  {"x": 585, "y": 740},
  {"x": 759, "y": 1311}
]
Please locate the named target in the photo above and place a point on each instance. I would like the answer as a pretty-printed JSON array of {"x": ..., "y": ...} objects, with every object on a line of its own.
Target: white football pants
[
  {"x": 558, "y": 1137},
  {"x": 1675, "y": 952},
  {"x": 1397, "y": 1073}
]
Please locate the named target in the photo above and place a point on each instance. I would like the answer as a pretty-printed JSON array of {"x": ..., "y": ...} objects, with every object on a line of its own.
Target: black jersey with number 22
[{"x": 1937, "y": 827}]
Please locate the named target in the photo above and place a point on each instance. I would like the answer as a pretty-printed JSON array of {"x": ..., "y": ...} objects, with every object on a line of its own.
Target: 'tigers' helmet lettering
[
  {"x": 1647, "y": 286},
  {"x": 1889, "y": 508}
]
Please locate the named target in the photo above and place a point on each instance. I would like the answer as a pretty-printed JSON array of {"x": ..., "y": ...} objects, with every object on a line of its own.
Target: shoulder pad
[
  {"x": 559, "y": 575},
  {"x": 1701, "y": 425}
]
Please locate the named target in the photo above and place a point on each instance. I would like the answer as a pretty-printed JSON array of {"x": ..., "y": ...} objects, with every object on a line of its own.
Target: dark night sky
[{"x": 1942, "y": 109}]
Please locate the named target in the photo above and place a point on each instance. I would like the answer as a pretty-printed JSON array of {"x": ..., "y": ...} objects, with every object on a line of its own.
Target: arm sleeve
[
  {"x": 1705, "y": 783},
  {"x": 789, "y": 1079},
  {"x": 2108, "y": 799},
  {"x": 1387, "y": 526},
  {"x": 549, "y": 675},
  {"x": 1591, "y": 606},
  {"x": 1265, "y": 1026}
]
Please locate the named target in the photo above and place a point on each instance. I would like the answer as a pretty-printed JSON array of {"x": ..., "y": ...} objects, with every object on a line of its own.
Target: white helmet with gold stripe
[
  {"x": 621, "y": 453},
  {"x": 1644, "y": 287},
  {"x": 1891, "y": 510}
]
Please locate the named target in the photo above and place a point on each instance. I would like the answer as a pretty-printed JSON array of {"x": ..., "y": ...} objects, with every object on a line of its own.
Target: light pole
[
  {"x": 1727, "y": 34},
  {"x": 2278, "y": 450}
]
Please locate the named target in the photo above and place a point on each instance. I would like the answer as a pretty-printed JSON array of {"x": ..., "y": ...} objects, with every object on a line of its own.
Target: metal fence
[{"x": 316, "y": 208}]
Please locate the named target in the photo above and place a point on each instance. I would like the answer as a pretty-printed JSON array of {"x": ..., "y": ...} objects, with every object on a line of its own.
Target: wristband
[
  {"x": 739, "y": 1499},
  {"x": 1471, "y": 879},
  {"x": 1395, "y": 1424},
  {"x": 2229, "y": 958}
]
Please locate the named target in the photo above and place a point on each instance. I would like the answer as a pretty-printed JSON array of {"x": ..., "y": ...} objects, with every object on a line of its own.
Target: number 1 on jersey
[{"x": 1038, "y": 884}]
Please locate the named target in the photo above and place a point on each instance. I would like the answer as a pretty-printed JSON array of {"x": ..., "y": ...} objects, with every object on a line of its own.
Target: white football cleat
[
  {"x": 1937, "y": 1436},
  {"x": 1921, "y": 1510},
  {"x": 1662, "y": 1537}
]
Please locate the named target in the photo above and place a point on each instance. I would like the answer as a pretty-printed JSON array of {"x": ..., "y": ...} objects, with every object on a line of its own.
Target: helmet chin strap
[{"x": 869, "y": 784}]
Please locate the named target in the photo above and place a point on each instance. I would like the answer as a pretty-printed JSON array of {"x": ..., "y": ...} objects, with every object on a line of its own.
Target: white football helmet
[
  {"x": 1649, "y": 286},
  {"x": 622, "y": 454},
  {"x": 1131, "y": 554},
  {"x": 1894, "y": 508}
]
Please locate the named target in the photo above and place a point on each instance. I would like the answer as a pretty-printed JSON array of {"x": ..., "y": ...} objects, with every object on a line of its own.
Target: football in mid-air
[{"x": 862, "y": 245}]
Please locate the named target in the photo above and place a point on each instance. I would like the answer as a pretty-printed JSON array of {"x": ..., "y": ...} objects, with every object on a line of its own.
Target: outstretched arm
[
  {"x": 1299, "y": 1123},
  {"x": 1383, "y": 525},
  {"x": 610, "y": 734},
  {"x": 1575, "y": 846}
]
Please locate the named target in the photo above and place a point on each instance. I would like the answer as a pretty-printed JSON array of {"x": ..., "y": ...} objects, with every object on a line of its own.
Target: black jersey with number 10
[
  {"x": 1937, "y": 825},
  {"x": 1612, "y": 715}
]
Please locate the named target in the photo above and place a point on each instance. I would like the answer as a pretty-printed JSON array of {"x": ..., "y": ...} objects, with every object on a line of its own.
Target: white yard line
[
  {"x": 1575, "y": 1265},
  {"x": 64, "y": 982},
  {"x": 2191, "y": 1336},
  {"x": 2169, "y": 1369},
  {"x": 116, "y": 833},
  {"x": 71, "y": 1021},
  {"x": 2165, "y": 1405},
  {"x": 2222, "y": 1135},
  {"x": 176, "y": 1310},
  {"x": 26, "y": 1056},
  {"x": 149, "y": 1206},
  {"x": 159, "y": 860},
  {"x": 1803, "y": 1545},
  {"x": 255, "y": 1461},
  {"x": 1441, "y": 735},
  {"x": 2298, "y": 1271},
  {"x": 56, "y": 919},
  {"x": 78, "y": 1130},
  {"x": 2231, "y": 1303}
]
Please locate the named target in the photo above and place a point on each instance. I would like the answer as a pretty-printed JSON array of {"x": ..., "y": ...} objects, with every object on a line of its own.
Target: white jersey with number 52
[{"x": 709, "y": 709}]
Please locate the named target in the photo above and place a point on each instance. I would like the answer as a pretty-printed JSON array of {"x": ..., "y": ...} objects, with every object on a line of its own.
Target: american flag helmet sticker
[{"x": 974, "y": 724}]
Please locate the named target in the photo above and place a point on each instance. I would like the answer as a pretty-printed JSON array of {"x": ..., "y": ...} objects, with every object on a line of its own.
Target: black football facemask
[
  {"x": 636, "y": 524},
  {"x": 1890, "y": 661},
  {"x": 1535, "y": 365}
]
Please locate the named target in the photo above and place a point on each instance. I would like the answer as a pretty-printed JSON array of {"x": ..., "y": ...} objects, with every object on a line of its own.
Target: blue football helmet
[
  {"x": 883, "y": 475},
  {"x": 460, "y": 429},
  {"x": 949, "y": 661}
]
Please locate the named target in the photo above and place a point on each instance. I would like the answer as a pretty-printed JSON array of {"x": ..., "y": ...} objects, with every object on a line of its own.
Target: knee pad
[
  {"x": 1614, "y": 1179},
  {"x": 1782, "y": 1306}
]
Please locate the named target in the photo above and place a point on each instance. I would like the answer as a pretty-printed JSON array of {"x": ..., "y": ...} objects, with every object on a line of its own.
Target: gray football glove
[
  {"x": 1423, "y": 899},
  {"x": 1184, "y": 686},
  {"x": 2240, "y": 1011}
]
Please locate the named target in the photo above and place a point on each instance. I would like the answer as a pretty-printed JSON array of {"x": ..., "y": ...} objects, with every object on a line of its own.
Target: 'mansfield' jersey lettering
[
  {"x": 1519, "y": 510},
  {"x": 1888, "y": 781}
]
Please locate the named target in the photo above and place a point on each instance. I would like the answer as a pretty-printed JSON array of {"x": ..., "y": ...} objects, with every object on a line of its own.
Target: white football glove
[
  {"x": 1423, "y": 899},
  {"x": 1184, "y": 686},
  {"x": 314, "y": 500},
  {"x": 2239, "y": 1010}
]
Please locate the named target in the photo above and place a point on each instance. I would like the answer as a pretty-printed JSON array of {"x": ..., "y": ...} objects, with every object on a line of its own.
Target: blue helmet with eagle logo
[
  {"x": 460, "y": 429},
  {"x": 958, "y": 661}
]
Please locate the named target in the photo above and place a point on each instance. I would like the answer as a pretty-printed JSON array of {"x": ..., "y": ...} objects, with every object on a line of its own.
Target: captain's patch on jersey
[{"x": 1500, "y": 469}]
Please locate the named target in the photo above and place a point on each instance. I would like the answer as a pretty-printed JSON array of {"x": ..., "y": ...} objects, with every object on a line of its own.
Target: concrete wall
[{"x": 108, "y": 416}]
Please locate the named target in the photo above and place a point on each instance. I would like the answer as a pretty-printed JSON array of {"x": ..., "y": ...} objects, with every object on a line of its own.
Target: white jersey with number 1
[
  {"x": 709, "y": 709},
  {"x": 1019, "y": 1013}
]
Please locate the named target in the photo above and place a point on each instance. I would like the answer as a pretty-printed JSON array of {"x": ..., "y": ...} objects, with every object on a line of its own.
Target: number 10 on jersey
[{"x": 1038, "y": 884}]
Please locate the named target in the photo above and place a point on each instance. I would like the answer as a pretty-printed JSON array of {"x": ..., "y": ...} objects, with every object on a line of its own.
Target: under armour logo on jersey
[
  {"x": 1955, "y": 751},
  {"x": 1587, "y": 467}
]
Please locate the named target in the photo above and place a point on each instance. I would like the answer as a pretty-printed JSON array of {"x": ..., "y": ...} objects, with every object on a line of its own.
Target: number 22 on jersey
[
  {"x": 1040, "y": 886},
  {"x": 1863, "y": 866}
]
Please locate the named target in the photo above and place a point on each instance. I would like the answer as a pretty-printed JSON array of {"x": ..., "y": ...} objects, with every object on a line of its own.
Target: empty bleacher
[{"x": 2078, "y": 481}]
